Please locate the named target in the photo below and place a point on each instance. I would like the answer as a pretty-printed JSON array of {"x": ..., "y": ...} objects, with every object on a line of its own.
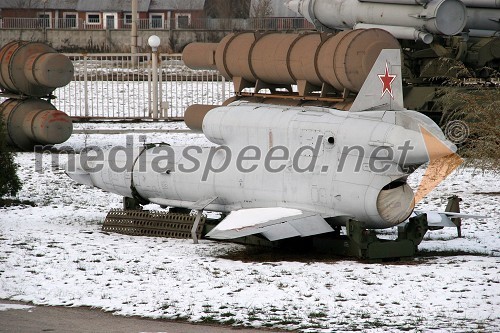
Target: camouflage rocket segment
[
  {"x": 276, "y": 60},
  {"x": 29, "y": 71}
]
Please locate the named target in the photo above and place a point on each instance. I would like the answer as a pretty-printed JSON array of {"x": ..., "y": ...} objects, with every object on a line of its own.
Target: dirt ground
[{"x": 85, "y": 320}]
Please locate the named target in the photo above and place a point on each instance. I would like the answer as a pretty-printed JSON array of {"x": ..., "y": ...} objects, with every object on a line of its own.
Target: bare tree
[
  {"x": 19, "y": 3},
  {"x": 187, "y": 4},
  {"x": 227, "y": 9},
  {"x": 470, "y": 119},
  {"x": 262, "y": 8}
]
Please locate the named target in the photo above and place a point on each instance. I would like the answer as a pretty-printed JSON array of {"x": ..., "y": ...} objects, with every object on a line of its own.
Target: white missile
[
  {"x": 441, "y": 17},
  {"x": 286, "y": 170}
]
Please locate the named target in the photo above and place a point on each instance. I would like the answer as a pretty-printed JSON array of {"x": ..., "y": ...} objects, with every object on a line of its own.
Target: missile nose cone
[
  {"x": 418, "y": 140},
  {"x": 436, "y": 147},
  {"x": 409, "y": 147},
  {"x": 416, "y": 148}
]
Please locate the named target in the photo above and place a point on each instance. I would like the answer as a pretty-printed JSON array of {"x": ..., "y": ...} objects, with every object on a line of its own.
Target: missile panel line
[
  {"x": 12, "y": 95},
  {"x": 125, "y": 130},
  {"x": 294, "y": 97},
  {"x": 122, "y": 120}
]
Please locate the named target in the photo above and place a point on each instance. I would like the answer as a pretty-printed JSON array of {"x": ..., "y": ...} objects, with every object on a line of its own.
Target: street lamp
[{"x": 154, "y": 42}]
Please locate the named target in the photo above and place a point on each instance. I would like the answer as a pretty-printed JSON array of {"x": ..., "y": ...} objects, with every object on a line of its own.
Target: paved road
[{"x": 83, "y": 320}]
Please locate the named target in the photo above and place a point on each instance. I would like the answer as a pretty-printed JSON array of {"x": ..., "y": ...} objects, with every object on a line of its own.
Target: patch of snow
[
  {"x": 55, "y": 254},
  {"x": 6, "y": 307}
]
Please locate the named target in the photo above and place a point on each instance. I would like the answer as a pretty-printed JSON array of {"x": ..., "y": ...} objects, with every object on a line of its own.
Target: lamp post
[{"x": 154, "y": 42}]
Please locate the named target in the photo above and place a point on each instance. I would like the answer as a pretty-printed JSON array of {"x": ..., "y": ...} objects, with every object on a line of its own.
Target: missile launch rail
[{"x": 145, "y": 223}]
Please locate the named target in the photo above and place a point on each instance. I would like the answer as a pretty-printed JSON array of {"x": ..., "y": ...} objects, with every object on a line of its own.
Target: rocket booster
[
  {"x": 341, "y": 61},
  {"x": 405, "y": 19}
]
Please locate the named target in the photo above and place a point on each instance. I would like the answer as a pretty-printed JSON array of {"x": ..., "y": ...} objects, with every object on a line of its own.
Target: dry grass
[{"x": 479, "y": 109}]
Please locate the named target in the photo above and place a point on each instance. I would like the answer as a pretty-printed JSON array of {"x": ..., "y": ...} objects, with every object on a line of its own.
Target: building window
[
  {"x": 182, "y": 21},
  {"x": 93, "y": 18},
  {"x": 156, "y": 21},
  {"x": 128, "y": 19},
  {"x": 69, "y": 20},
  {"x": 44, "y": 20},
  {"x": 110, "y": 20}
]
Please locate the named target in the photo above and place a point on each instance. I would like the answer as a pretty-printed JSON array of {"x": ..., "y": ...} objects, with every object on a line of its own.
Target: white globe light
[{"x": 154, "y": 41}]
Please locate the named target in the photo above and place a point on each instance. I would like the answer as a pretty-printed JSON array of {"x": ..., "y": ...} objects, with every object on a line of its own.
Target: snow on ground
[
  {"x": 55, "y": 254},
  {"x": 6, "y": 307}
]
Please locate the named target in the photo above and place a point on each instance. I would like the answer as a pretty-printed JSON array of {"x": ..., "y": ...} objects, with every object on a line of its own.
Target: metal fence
[
  {"x": 119, "y": 86},
  {"x": 181, "y": 23}
]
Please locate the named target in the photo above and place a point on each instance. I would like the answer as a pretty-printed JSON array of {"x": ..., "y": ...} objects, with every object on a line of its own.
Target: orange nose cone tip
[
  {"x": 443, "y": 161},
  {"x": 435, "y": 147}
]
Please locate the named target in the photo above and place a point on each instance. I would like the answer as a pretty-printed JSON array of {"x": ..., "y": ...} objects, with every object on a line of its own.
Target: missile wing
[
  {"x": 443, "y": 219},
  {"x": 273, "y": 223}
]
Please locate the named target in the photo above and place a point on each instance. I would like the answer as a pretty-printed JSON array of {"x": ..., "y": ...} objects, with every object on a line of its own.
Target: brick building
[{"x": 102, "y": 14}]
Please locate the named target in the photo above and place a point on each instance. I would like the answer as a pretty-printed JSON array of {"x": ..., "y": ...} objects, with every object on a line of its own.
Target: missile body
[
  {"x": 442, "y": 17},
  {"x": 336, "y": 165},
  {"x": 338, "y": 149}
]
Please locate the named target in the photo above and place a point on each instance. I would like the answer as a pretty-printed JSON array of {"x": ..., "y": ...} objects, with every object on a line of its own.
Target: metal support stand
[
  {"x": 364, "y": 244},
  {"x": 199, "y": 206},
  {"x": 131, "y": 204},
  {"x": 195, "y": 226},
  {"x": 454, "y": 206}
]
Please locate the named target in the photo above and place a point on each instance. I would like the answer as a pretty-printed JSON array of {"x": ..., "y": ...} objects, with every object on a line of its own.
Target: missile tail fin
[{"x": 383, "y": 88}]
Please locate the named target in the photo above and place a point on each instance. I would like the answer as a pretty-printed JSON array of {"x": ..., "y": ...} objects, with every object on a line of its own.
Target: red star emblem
[{"x": 386, "y": 80}]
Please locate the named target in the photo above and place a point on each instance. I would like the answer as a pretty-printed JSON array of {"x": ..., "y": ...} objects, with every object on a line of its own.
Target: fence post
[
  {"x": 85, "y": 84},
  {"x": 160, "y": 86},
  {"x": 149, "y": 86},
  {"x": 154, "y": 42},
  {"x": 223, "y": 89}
]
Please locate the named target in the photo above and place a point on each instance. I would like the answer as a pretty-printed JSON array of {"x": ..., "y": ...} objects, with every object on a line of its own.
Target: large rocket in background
[{"x": 404, "y": 19}]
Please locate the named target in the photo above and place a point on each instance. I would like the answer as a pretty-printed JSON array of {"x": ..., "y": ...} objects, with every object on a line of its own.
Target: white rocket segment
[
  {"x": 443, "y": 17},
  {"x": 408, "y": 33},
  {"x": 274, "y": 223},
  {"x": 482, "y": 3},
  {"x": 468, "y": 3}
]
